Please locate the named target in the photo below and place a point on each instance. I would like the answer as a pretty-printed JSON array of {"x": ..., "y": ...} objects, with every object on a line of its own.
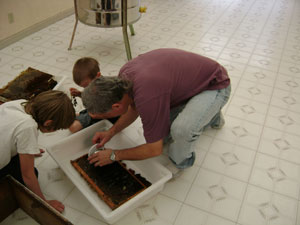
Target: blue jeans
[{"x": 190, "y": 119}]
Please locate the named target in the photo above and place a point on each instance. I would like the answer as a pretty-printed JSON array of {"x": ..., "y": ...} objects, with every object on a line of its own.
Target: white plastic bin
[
  {"x": 60, "y": 80},
  {"x": 76, "y": 145}
]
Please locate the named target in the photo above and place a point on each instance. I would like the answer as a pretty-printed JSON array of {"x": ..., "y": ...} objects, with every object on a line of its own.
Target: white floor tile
[
  {"x": 284, "y": 120},
  {"x": 260, "y": 76},
  {"x": 206, "y": 49},
  {"x": 179, "y": 187},
  {"x": 158, "y": 210},
  {"x": 217, "y": 194},
  {"x": 290, "y": 69},
  {"x": 230, "y": 160},
  {"x": 85, "y": 219},
  {"x": 240, "y": 132},
  {"x": 72, "y": 215},
  {"x": 19, "y": 217},
  {"x": 276, "y": 175},
  {"x": 254, "y": 91},
  {"x": 247, "y": 173},
  {"x": 288, "y": 83},
  {"x": 241, "y": 45},
  {"x": 286, "y": 100},
  {"x": 280, "y": 145},
  {"x": 235, "y": 55},
  {"x": 263, "y": 207},
  {"x": 192, "y": 216},
  {"x": 247, "y": 109}
]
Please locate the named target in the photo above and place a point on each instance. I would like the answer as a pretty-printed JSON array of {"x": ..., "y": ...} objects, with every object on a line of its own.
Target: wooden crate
[{"x": 14, "y": 195}]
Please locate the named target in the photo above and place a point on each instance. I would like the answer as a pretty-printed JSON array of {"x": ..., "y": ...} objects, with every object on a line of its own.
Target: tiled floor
[{"x": 247, "y": 173}]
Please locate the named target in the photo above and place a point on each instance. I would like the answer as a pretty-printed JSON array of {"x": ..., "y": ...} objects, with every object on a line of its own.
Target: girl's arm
[
  {"x": 31, "y": 181},
  {"x": 28, "y": 175}
]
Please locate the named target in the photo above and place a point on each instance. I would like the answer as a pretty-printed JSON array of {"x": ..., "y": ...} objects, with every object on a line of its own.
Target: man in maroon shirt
[{"x": 176, "y": 93}]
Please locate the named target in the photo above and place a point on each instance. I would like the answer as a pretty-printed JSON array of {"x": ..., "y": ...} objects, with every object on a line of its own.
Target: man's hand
[
  {"x": 140, "y": 152},
  {"x": 56, "y": 205},
  {"x": 101, "y": 158},
  {"x": 102, "y": 138},
  {"x": 75, "y": 93}
]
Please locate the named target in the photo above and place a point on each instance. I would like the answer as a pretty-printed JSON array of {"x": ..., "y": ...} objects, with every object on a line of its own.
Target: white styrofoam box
[
  {"x": 60, "y": 80},
  {"x": 78, "y": 144}
]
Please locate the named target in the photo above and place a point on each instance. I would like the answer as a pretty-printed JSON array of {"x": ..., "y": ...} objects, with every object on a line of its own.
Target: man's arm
[
  {"x": 125, "y": 120},
  {"x": 140, "y": 152}
]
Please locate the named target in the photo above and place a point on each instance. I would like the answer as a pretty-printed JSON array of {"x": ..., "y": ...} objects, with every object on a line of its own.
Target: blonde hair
[
  {"x": 51, "y": 105},
  {"x": 85, "y": 68}
]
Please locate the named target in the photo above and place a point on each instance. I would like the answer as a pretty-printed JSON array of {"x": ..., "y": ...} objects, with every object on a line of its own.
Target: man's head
[
  {"x": 107, "y": 97},
  {"x": 52, "y": 110},
  {"x": 85, "y": 70}
]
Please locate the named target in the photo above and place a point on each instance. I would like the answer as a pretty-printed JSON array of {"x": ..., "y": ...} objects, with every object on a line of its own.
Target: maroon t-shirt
[{"x": 165, "y": 78}]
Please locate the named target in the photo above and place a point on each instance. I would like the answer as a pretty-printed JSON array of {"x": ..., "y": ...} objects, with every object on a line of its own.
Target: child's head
[
  {"x": 52, "y": 110},
  {"x": 85, "y": 70}
]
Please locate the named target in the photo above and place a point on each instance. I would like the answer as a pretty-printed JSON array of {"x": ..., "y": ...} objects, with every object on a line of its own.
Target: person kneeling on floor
[
  {"x": 176, "y": 93},
  {"x": 20, "y": 121}
]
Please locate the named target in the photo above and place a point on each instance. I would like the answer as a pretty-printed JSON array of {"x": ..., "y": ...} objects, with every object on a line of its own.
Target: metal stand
[
  {"x": 124, "y": 28},
  {"x": 75, "y": 26},
  {"x": 131, "y": 30}
]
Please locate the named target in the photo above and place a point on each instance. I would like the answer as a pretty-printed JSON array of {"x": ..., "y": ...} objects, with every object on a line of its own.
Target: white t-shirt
[{"x": 18, "y": 132}]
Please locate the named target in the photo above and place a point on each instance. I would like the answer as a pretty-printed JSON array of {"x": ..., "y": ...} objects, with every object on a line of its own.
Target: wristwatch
[{"x": 113, "y": 156}]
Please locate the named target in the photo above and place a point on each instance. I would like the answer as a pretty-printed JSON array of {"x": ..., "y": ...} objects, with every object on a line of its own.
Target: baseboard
[{"x": 34, "y": 28}]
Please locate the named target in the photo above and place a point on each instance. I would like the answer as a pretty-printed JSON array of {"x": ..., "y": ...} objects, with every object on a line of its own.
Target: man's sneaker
[
  {"x": 219, "y": 122},
  {"x": 176, "y": 172}
]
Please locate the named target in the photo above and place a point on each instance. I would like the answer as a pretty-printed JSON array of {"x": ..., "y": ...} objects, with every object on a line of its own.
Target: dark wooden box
[{"x": 14, "y": 195}]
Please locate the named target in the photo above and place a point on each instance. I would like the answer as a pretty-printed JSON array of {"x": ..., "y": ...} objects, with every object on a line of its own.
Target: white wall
[{"x": 29, "y": 16}]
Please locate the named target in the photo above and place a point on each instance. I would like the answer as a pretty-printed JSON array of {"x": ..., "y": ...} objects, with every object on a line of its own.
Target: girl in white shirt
[{"x": 19, "y": 123}]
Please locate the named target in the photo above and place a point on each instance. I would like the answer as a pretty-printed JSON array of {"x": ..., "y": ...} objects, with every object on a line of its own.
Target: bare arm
[
  {"x": 140, "y": 152},
  {"x": 28, "y": 175},
  {"x": 31, "y": 181},
  {"x": 125, "y": 120},
  {"x": 74, "y": 92}
]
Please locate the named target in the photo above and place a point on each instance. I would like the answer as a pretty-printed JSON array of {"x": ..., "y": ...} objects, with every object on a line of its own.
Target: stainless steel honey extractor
[{"x": 108, "y": 13}]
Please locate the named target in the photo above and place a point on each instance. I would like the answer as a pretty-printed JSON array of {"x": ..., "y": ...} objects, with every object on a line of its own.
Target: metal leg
[
  {"x": 126, "y": 42},
  {"x": 75, "y": 26},
  {"x": 131, "y": 29},
  {"x": 124, "y": 28}
]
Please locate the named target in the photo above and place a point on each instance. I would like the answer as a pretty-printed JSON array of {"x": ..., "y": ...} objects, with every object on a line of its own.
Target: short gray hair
[{"x": 103, "y": 92}]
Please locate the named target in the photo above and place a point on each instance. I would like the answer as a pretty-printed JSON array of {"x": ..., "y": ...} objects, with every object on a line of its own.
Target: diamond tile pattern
[{"x": 248, "y": 172}]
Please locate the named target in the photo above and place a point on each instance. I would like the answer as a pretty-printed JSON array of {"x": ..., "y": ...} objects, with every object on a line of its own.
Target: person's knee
[{"x": 186, "y": 133}]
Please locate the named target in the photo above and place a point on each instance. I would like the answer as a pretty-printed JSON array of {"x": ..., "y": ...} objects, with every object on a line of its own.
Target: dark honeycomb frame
[{"x": 114, "y": 183}]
